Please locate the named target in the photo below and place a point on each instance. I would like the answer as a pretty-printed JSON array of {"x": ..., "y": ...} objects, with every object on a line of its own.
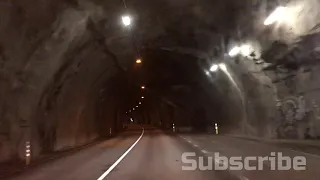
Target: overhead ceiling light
[
  {"x": 214, "y": 68},
  {"x": 278, "y": 14},
  {"x": 138, "y": 61},
  {"x": 126, "y": 20},
  {"x": 142, "y": 97},
  {"x": 139, "y": 102},
  {"x": 234, "y": 51},
  {"x": 245, "y": 49}
]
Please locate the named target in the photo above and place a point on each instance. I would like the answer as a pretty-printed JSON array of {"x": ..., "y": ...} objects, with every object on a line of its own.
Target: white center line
[
  {"x": 120, "y": 159},
  {"x": 205, "y": 152},
  {"x": 243, "y": 178}
]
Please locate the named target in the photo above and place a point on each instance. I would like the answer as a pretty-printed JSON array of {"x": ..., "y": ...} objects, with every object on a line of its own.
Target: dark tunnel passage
[{"x": 72, "y": 74}]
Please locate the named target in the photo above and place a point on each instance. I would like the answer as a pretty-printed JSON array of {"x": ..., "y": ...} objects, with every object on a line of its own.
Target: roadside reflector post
[
  {"x": 28, "y": 152},
  {"x": 216, "y": 128}
]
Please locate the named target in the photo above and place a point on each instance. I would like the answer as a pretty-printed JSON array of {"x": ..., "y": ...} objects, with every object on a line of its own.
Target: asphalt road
[
  {"x": 236, "y": 147},
  {"x": 155, "y": 155}
]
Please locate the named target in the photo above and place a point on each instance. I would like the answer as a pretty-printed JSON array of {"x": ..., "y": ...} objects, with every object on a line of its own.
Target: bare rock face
[
  {"x": 278, "y": 79},
  {"x": 49, "y": 65}
]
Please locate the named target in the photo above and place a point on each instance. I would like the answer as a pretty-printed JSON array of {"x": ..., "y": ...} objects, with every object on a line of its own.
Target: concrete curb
[
  {"x": 49, "y": 158},
  {"x": 314, "y": 143}
]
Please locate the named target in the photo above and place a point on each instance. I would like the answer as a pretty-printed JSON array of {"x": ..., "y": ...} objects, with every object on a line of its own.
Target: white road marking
[
  {"x": 204, "y": 151},
  {"x": 219, "y": 161},
  {"x": 314, "y": 155},
  {"x": 120, "y": 159},
  {"x": 243, "y": 178},
  {"x": 292, "y": 150},
  {"x": 195, "y": 145}
]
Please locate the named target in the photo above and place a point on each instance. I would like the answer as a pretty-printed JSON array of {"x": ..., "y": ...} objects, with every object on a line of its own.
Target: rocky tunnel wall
[
  {"x": 279, "y": 78},
  {"x": 52, "y": 76}
]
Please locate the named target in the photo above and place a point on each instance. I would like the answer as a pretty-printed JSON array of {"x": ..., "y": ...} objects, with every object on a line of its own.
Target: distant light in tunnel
[
  {"x": 129, "y": 110},
  {"x": 277, "y": 15},
  {"x": 214, "y": 68},
  {"x": 142, "y": 97},
  {"x": 207, "y": 72},
  {"x": 133, "y": 109},
  {"x": 234, "y": 51},
  {"x": 138, "y": 61},
  {"x": 126, "y": 20},
  {"x": 139, "y": 102},
  {"x": 137, "y": 106},
  {"x": 143, "y": 87}
]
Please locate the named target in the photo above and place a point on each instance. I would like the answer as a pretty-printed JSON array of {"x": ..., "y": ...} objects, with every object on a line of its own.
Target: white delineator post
[
  {"x": 28, "y": 152},
  {"x": 216, "y": 127}
]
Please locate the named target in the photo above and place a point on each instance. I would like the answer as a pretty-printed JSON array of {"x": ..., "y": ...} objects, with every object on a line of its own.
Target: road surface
[{"x": 155, "y": 155}]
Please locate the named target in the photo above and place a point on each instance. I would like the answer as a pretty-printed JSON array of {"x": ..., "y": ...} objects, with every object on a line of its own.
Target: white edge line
[
  {"x": 120, "y": 159},
  {"x": 205, "y": 152},
  {"x": 243, "y": 178},
  {"x": 314, "y": 155}
]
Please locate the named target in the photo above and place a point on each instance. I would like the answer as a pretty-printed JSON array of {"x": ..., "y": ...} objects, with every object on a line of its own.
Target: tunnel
[{"x": 72, "y": 74}]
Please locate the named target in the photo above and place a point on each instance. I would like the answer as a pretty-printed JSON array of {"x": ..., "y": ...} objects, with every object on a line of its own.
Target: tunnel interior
[{"x": 68, "y": 71}]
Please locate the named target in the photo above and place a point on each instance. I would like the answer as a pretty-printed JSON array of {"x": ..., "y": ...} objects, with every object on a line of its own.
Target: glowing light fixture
[
  {"x": 234, "y": 51},
  {"x": 277, "y": 15},
  {"x": 214, "y": 68},
  {"x": 245, "y": 50},
  {"x": 126, "y": 20},
  {"x": 138, "y": 61}
]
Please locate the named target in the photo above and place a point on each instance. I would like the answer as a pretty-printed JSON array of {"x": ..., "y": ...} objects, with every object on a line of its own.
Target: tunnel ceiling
[
  {"x": 189, "y": 26},
  {"x": 207, "y": 29}
]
